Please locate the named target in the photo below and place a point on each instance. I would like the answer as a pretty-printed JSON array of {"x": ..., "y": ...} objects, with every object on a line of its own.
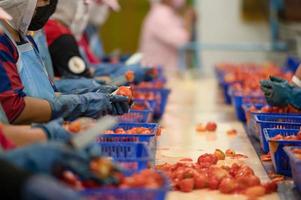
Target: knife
[{"x": 84, "y": 138}]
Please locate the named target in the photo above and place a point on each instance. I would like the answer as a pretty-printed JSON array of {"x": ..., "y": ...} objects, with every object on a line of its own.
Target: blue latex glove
[
  {"x": 93, "y": 105},
  {"x": 53, "y": 158},
  {"x": 120, "y": 105},
  {"x": 106, "y": 69},
  {"x": 71, "y": 107},
  {"x": 41, "y": 187},
  {"x": 82, "y": 86},
  {"x": 55, "y": 130}
]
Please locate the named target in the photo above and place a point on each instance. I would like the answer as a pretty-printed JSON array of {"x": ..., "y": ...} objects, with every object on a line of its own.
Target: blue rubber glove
[
  {"x": 120, "y": 105},
  {"x": 41, "y": 187},
  {"x": 52, "y": 159},
  {"x": 71, "y": 107},
  {"x": 82, "y": 86},
  {"x": 276, "y": 93},
  {"x": 55, "y": 130}
]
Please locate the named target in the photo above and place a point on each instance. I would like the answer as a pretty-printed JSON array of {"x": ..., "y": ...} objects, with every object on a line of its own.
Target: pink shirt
[{"x": 162, "y": 35}]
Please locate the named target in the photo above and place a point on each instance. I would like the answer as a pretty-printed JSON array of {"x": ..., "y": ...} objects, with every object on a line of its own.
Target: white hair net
[{"x": 22, "y": 12}]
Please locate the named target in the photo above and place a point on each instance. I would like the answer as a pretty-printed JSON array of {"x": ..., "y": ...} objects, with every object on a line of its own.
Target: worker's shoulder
[{"x": 5, "y": 41}]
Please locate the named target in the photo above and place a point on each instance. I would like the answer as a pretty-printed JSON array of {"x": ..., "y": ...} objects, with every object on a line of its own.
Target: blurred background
[{"x": 238, "y": 30}]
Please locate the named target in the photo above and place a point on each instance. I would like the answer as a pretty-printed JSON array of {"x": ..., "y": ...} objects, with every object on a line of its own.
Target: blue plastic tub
[
  {"x": 128, "y": 194},
  {"x": 295, "y": 164},
  {"x": 239, "y": 100},
  {"x": 279, "y": 157},
  {"x": 284, "y": 121},
  {"x": 132, "y": 156},
  {"x": 161, "y": 98}
]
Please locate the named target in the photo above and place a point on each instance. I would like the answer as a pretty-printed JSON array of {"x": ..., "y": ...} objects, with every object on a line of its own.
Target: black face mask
[{"x": 42, "y": 15}]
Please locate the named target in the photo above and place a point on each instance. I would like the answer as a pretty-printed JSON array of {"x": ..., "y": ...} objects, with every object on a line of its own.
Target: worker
[
  {"x": 27, "y": 94},
  {"x": 27, "y": 173},
  {"x": 164, "y": 32},
  {"x": 65, "y": 28},
  {"x": 68, "y": 86}
]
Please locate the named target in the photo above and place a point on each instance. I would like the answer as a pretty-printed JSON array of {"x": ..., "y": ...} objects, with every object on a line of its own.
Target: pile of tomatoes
[
  {"x": 187, "y": 176},
  {"x": 288, "y": 137},
  {"x": 146, "y": 179},
  {"x": 273, "y": 109},
  {"x": 136, "y": 130},
  {"x": 245, "y": 78}
]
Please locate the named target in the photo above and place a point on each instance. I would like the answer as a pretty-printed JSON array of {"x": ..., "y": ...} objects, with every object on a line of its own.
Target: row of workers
[{"x": 51, "y": 71}]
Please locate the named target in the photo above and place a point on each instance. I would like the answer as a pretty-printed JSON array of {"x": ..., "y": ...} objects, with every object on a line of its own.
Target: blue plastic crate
[
  {"x": 279, "y": 157},
  {"x": 149, "y": 139},
  {"x": 283, "y": 121},
  {"x": 252, "y": 128},
  {"x": 128, "y": 194},
  {"x": 295, "y": 164},
  {"x": 161, "y": 97},
  {"x": 239, "y": 100},
  {"x": 132, "y": 156}
]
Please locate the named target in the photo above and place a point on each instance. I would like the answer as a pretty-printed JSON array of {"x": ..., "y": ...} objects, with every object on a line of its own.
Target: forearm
[
  {"x": 35, "y": 111},
  {"x": 24, "y": 135}
]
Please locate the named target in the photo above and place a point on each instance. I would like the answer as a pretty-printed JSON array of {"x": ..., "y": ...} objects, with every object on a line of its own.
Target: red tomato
[
  {"x": 209, "y": 159},
  {"x": 211, "y": 126},
  {"x": 218, "y": 173},
  {"x": 186, "y": 185},
  {"x": 247, "y": 181},
  {"x": 200, "y": 181},
  {"x": 255, "y": 191},
  {"x": 244, "y": 171},
  {"x": 213, "y": 183},
  {"x": 129, "y": 76},
  {"x": 230, "y": 153},
  {"x": 74, "y": 127},
  {"x": 125, "y": 91},
  {"x": 270, "y": 187},
  {"x": 228, "y": 185}
]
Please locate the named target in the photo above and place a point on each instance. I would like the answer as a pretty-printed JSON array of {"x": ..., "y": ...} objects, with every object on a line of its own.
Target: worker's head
[
  {"x": 176, "y": 4},
  {"x": 74, "y": 14},
  {"x": 28, "y": 14}
]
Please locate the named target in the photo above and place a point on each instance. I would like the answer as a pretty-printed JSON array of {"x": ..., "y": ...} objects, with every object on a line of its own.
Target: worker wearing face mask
[
  {"x": 164, "y": 32},
  {"x": 27, "y": 95},
  {"x": 65, "y": 29}
]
